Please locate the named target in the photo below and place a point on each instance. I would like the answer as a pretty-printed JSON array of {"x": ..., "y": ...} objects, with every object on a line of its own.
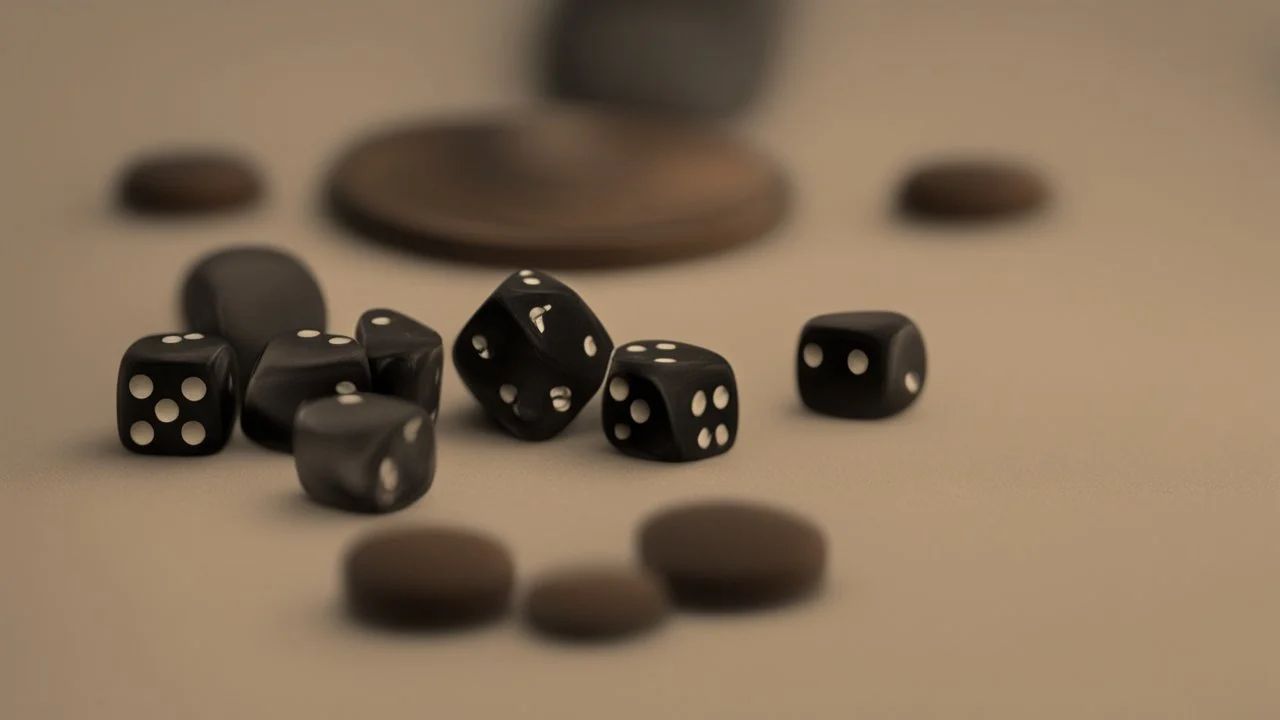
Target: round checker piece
[
  {"x": 596, "y": 603},
  {"x": 972, "y": 190},
  {"x": 429, "y": 578},
  {"x": 732, "y": 555},
  {"x": 558, "y": 188},
  {"x": 189, "y": 183}
]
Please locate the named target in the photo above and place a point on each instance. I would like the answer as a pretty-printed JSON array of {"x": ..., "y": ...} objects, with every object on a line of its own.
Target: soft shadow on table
[
  {"x": 1002, "y": 230},
  {"x": 294, "y": 505},
  {"x": 107, "y": 447},
  {"x": 629, "y": 643},
  {"x": 811, "y": 601},
  {"x": 473, "y": 421},
  {"x": 337, "y": 617},
  {"x": 797, "y": 412}
]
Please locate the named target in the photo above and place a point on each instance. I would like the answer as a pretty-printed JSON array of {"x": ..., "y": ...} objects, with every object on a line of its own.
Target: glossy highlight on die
[{"x": 175, "y": 395}]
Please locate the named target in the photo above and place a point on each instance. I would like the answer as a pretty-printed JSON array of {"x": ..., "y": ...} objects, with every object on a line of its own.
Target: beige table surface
[{"x": 1080, "y": 519}]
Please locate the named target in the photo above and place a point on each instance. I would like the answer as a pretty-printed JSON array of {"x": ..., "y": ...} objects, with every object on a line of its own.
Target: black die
[
  {"x": 364, "y": 453},
  {"x": 533, "y": 355},
  {"x": 175, "y": 395},
  {"x": 861, "y": 365},
  {"x": 670, "y": 401},
  {"x": 294, "y": 368},
  {"x": 406, "y": 357}
]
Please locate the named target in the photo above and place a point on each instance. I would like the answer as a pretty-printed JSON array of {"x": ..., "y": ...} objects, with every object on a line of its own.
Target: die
[
  {"x": 671, "y": 402},
  {"x": 364, "y": 453},
  {"x": 533, "y": 355},
  {"x": 175, "y": 395},
  {"x": 406, "y": 358},
  {"x": 860, "y": 365},
  {"x": 248, "y": 295},
  {"x": 296, "y": 367}
]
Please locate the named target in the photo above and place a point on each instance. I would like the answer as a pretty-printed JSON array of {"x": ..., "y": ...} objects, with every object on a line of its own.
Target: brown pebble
[
  {"x": 597, "y": 603},
  {"x": 733, "y": 554},
  {"x": 969, "y": 190},
  {"x": 429, "y": 578},
  {"x": 189, "y": 183}
]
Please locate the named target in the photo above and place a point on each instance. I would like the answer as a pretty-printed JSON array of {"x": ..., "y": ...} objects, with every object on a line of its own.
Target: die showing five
[
  {"x": 533, "y": 355},
  {"x": 175, "y": 395}
]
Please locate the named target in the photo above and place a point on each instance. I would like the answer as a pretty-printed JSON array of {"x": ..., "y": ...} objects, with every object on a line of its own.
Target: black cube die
[
  {"x": 175, "y": 395},
  {"x": 533, "y": 355},
  {"x": 363, "y": 452},
  {"x": 296, "y": 367},
  {"x": 670, "y": 401},
  {"x": 860, "y": 365},
  {"x": 406, "y": 358}
]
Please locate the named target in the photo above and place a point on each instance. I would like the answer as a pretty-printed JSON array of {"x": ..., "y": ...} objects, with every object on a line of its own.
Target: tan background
[{"x": 1078, "y": 520}]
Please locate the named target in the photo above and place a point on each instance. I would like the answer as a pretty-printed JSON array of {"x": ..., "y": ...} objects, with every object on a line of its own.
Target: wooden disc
[
  {"x": 972, "y": 190},
  {"x": 596, "y": 603},
  {"x": 558, "y": 187},
  {"x": 189, "y": 183},
  {"x": 428, "y": 577},
  {"x": 733, "y": 555}
]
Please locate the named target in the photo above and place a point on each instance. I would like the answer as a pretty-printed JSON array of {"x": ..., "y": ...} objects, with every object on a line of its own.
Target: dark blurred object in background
[
  {"x": 189, "y": 182},
  {"x": 696, "y": 57}
]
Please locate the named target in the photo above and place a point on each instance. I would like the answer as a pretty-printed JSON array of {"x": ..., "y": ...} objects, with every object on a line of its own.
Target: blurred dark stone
[{"x": 691, "y": 57}]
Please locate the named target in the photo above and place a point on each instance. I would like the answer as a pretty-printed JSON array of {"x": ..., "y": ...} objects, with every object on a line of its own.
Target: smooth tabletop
[{"x": 1080, "y": 518}]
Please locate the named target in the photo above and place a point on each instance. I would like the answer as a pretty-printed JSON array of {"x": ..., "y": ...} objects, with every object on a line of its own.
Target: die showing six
[{"x": 671, "y": 402}]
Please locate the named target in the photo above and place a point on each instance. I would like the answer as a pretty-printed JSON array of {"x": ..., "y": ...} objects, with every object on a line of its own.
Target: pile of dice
[{"x": 358, "y": 412}]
